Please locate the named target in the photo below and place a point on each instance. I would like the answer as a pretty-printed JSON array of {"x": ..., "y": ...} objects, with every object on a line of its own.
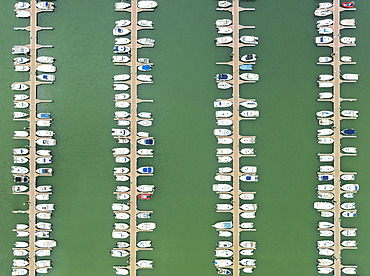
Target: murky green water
[{"x": 184, "y": 161}]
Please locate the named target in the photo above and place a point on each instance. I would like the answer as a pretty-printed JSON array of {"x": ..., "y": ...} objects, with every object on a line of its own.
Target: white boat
[
  {"x": 121, "y": 215},
  {"x": 146, "y": 41},
  {"x": 224, "y": 122},
  {"x": 222, "y": 188},
  {"x": 249, "y": 39},
  {"x": 248, "y": 140},
  {"x": 43, "y": 123},
  {"x": 223, "y": 178},
  {"x": 246, "y": 196},
  {"x": 121, "y": 115},
  {"x": 224, "y": 170},
  {"x": 322, "y": 195},
  {"x": 145, "y": 122},
  {"x": 225, "y": 196},
  {"x": 350, "y": 187},
  {"x": 145, "y": 23},
  {"x": 249, "y": 104},
  {"x": 326, "y": 158},
  {"x": 323, "y": 39},
  {"x": 43, "y": 253},
  {"x": 249, "y": 207},
  {"x": 327, "y": 214},
  {"x": 19, "y": 170},
  {"x": 325, "y": 5},
  {"x": 325, "y": 132},
  {"x": 20, "y": 160},
  {"x": 223, "y": 253},
  {"x": 122, "y": 196},
  {"x": 120, "y": 234},
  {"x": 324, "y": 262},
  {"x": 325, "y": 177},
  {"x": 143, "y": 215},
  {"x": 249, "y": 77},
  {"x": 246, "y": 252},
  {"x": 121, "y": 5},
  {"x": 222, "y": 132},
  {"x": 223, "y": 22},
  {"x": 145, "y": 152},
  {"x": 326, "y": 233},
  {"x": 122, "y": 41},
  {"x": 352, "y": 77},
  {"x": 347, "y": 177},
  {"x": 224, "y": 151},
  {"x": 21, "y": 68},
  {"x": 249, "y": 58},
  {"x": 349, "y": 243},
  {"x": 323, "y": 205},
  {"x": 20, "y": 133},
  {"x": 224, "y": 207},
  {"x": 45, "y": 5},
  {"x": 349, "y": 214},
  {"x": 222, "y": 103},
  {"x": 47, "y": 68},
  {"x": 224, "y": 85},
  {"x": 120, "y": 132},
  {"x": 20, "y": 50},
  {"x": 19, "y": 188},
  {"x": 324, "y": 270},
  {"x": 123, "y": 244},
  {"x": 325, "y": 77},
  {"x": 348, "y": 40},
  {"x": 121, "y": 87},
  {"x": 19, "y": 271},
  {"x": 121, "y": 271},
  {"x": 249, "y": 178},
  {"x": 246, "y": 225},
  {"x": 325, "y": 95},
  {"x": 349, "y": 113},
  {"x": 223, "y": 114},
  {"x": 324, "y": 22},
  {"x": 349, "y": 270},
  {"x": 147, "y": 4},
  {"x": 222, "y": 263},
  {"x": 119, "y": 253},
  {"x": 348, "y": 22},
  {"x": 44, "y": 133},
  {"x": 123, "y": 23},
  {"x": 224, "y": 141},
  {"x": 325, "y": 243},
  {"x": 325, "y": 59},
  {"x": 46, "y": 243},
  {"x": 325, "y": 30},
  {"x": 20, "y": 151},
  {"x": 20, "y": 97},
  {"x": 120, "y": 207},
  {"x": 322, "y": 12},
  {"x": 20, "y": 60},
  {"x": 349, "y": 233},
  {"x": 145, "y": 78},
  {"x": 19, "y": 86},
  {"x": 224, "y": 244},
  {"x": 43, "y": 160},
  {"x": 248, "y": 215},
  {"x": 20, "y": 263},
  {"x": 122, "y": 104},
  {"x": 248, "y": 262},
  {"x": 43, "y": 226},
  {"x": 349, "y": 195},
  {"x": 22, "y": 14},
  {"x": 43, "y": 197},
  {"x": 145, "y": 115},
  {"x": 325, "y": 224},
  {"x": 325, "y": 122},
  {"x": 121, "y": 170},
  {"x": 119, "y": 31},
  {"x": 43, "y": 263},
  {"x": 145, "y": 263},
  {"x": 351, "y": 150},
  {"x": 119, "y": 49},
  {"x": 21, "y": 104},
  {"x": 224, "y": 4},
  {"x": 146, "y": 226},
  {"x": 122, "y": 159},
  {"x": 224, "y": 30},
  {"x": 248, "y": 244},
  {"x": 250, "y": 113},
  {"x": 45, "y": 59},
  {"x": 122, "y": 96},
  {"x": 223, "y": 40},
  {"x": 120, "y": 59},
  {"x": 46, "y": 77},
  {"x": 324, "y": 113},
  {"x": 21, "y": 6}
]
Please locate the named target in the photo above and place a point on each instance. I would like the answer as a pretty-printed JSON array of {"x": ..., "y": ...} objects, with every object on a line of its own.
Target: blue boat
[
  {"x": 145, "y": 68},
  {"x": 348, "y": 131},
  {"x": 246, "y": 67},
  {"x": 223, "y": 77},
  {"x": 43, "y": 115},
  {"x": 146, "y": 170},
  {"x": 146, "y": 141}
]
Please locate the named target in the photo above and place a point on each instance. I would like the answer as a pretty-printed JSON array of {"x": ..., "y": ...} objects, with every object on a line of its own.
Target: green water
[{"x": 185, "y": 162}]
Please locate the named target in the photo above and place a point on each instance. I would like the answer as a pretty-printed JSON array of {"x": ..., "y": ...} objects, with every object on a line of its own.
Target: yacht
[
  {"x": 145, "y": 68},
  {"x": 45, "y": 5},
  {"x": 325, "y": 95},
  {"x": 224, "y": 40},
  {"x": 224, "y": 244},
  {"x": 22, "y": 14},
  {"x": 45, "y": 59},
  {"x": 250, "y": 113},
  {"x": 349, "y": 270},
  {"x": 248, "y": 140},
  {"x": 119, "y": 31},
  {"x": 16, "y": 50},
  {"x": 123, "y": 23},
  {"x": 222, "y": 132},
  {"x": 249, "y": 58},
  {"x": 323, "y": 39},
  {"x": 119, "y": 253},
  {"x": 120, "y": 59},
  {"x": 349, "y": 113},
  {"x": 249, "y": 104},
  {"x": 223, "y": 77},
  {"x": 222, "y": 187},
  {"x": 19, "y": 87},
  {"x": 324, "y": 22},
  {"x": 325, "y": 122},
  {"x": 21, "y": 105},
  {"x": 119, "y": 49},
  {"x": 146, "y": 226},
  {"x": 145, "y": 23},
  {"x": 249, "y": 207},
  {"x": 351, "y": 77},
  {"x": 46, "y": 243},
  {"x": 347, "y": 177},
  {"x": 120, "y": 234},
  {"x": 122, "y": 41},
  {"x": 223, "y": 114},
  {"x": 22, "y": 6},
  {"x": 351, "y": 150},
  {"x": 146, "y": 4},
  {"x": 146, "y": 41},
  {"x": 223, "y": 22},
  {"x": 348, "y": 40},
  {"x": 248, "y": 215},
  {"x": 224, "y": 85},
  {"x": 325, "y": 243},
  {"x": 246, "y": 225},
  {"x": 348, "y": 206},
  {"x": 348, "y": 22},
  {"x": 325, "y": 177},
  {"x": 249, "y": 39},
  {"x": 122, "y": 5},
  {"x": 322, "y": 12},
  {"x": 350, "y": 187},
  {"x": 223, "y": 253},
  {"x": 323, "y": 205},
  {"x": 224, "y": 30},
  {"x": 145, "y": 78},
  {"x": 145, "y": 263},
  {"x": 20, "y": 60},
  {"x": 224, "y": 122},
  {"x": 325, "y": 5},
  {"x": 325, "y": 30},
  {"x": 248, "y": 262},
  {"x": 222, "y": 103},
  {"x": 246, "y": 196},
  {"x": 325, "y": 59},
  {"x": 121, "y": 87},
  {"x": 222, "y": 263},
  {"x": 349, "y": 214},
  {"x": 249, "y": 77},
  {"x": 248, "y": 244},
  {"x": 349, "y": 233},
  {"x": 224, "y": 141},
  {"x": 146, "y": 142},
  {"x": 249, "y": 178},
  {"x": 325, "y": 132},
  {"x": 46, "y": 77}
]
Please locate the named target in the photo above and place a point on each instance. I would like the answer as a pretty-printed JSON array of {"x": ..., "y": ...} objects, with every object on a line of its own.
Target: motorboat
[
  {"x": 20, "y": 263},
  {"x": 249, "y": 77},
  {"x": 224, "y": 244},
  {"x": 324, "y": 22},
  {"x": 224, "y": 141},
  {"x": 145, "y": 152},
  {"x": 121, "y": 5},
  {"x": 19, "y": 271},
  {"x": 146, "y": 4},
  {"x": 122, "y": 170},
  {"x": 325, "y": 177},
  {"x": 222, "y": 132},
  {"x": 120, "y": 196},
  {"x": 248, "y": 244},
  {"x": 249, "y": 39},
  {"x": 146, "y": 142},
  {"x": 348, "y": 40},
  {"x": 45, "y": 59},
  {"x": 46, "y": 68},
  {"x": 325, "y": 270},
  {"x": 349, "y": 233},
  {"x": 43, "y": 115},
  {"x": 326, "y": 169},
  {"x": 346, "y": 59},
  {"x": 123, "y": 244},
  {"x": 222, "y": 103},
  {"x": 20, "y": 97},
  {"x": 350, "y": 187},
  {"x": 348, "y": 195},
  {"x": 223, "y": 114},
  {"x": 325, "y": 5},
  {"x": 246, "y": 225},
  {"x": 224, "y": 170},
  {"x": 349, "y": 270},
  {"x": 250, "y": 113},
  {"x": 248, "y": 262},
  {"x": 44, "y": 188},
  {"x": 116, "y": 234},
  {"x": 349, "y": 214},
  {"x": 43, "y": 123},
  {"x": 122, "y": 96},
  {"x": 43, "y": 226},
  {"x": 324, "y": 113},
  {"x": 143, "y": 215},
  {"x": 146, "y": 226},
  {"x": 347, "y": 177},
  {"x": 222, "y": 263},
  {"x": 145, "y": 23},
  {"x": 121, "y": 271},
  {"x": 46, "y": 243},
  {"x": 20, "y": 60},
  {"x": 45, "y": 207},
  {"x": 121, "y": 151},
  {"x": 249, "y": 207},
  {"x": 145, "y": 170},
  {"x": 348, "y": 131},
  {"x": 43, "y": 263},
  {"x": 224, "y": 122},
  {"x": 21, "y": 68},
  {"x": 322, "y": 12},
  {"x": 19, "y": 188},
  {"x": 325, "y": 95},
  {"x": 223, "y": 225},
  {"x": 119, "y": 31},
  {"x": 21, "y": 6},
  {"x": 122, "y": 41},
  {"x": 119, "y": 253},
  {"x": 146, "y": 41},
  {"x": 21, "y": 179},
  {"x": 224, "y": 159},
  {"x": 223, "y": 271},
  {"x": 120, "y": 207},
  {"x": 43, "y": 253},
  {"x": 249, "y": 58},
  {"x": 246, "y": 252},
  {"x": 44, "y": 171},
  {"x": 323, "y": 39},
  {"x": 348, "y": 205},
  {"x": 119, "y": 215},
  {"x": 325, "y": 224},
  {"x": 224, "y": 4},
  {"x": 248, "y": 140},
  {"x": 45, "y": 5},
  {"x": 349, "y": 113},
  {"x": 223, "y": 22},
  {"x": 43, "y": 160},
  {"x": 223, "y": 253},
  {"x": 249, "y": 178},
  {"x": 326, "y": 233},
  {"x": 246, "y": 67},
  {"x": 145, "y": 78},
  {"x": 224, "y": 85},
  {"x": 325, "y": 77},
  {"x": 19, "y": 86},
  {"x": 123, "y": 23},
  {"x": 145, "y": 68},
  {"x": 224, "y": 207},
  {"x": 348, "y": 5},
  {"x": 20, "y": 151},
  {"x": 225, "y": 196},
  {"x": 325, "y": 243},
  {"x": 121, "y": 87},
  {"x": 145, "y": 115},
  {"x": 224, "y": 30},
  {"x": 122, "y": 159},
  {"x": 16, "y": 50},
  {"x": 325, "y": 30},
  {"x": 325, "y": 59},
  {"x": 119, "y": 49},
  {"x": 325, "y": 140},
  {"x": 351, "y": 150},
  {"x": 348, "y": 22},
  {"x": 20, "y": 133},
  {"x": 44, "y": 133},
  {"x": 325, "y": 132},
  {"x": 22, "y": 14},
  {"x": 319, "y": 205},
  {"x": 325, "y": 122},
  {"x": 222, "y": 188},
  {"x": 21, "y": 105},
  {"x": 20, "y": 160},
  {"x": 224, "y": 151},
  {"x": 326, "y": 158},
  {"x": 121, "y": 115},
  {"x": 120, "y": 59},
  {"x": 20, "y": 252},
  {"x": 249, "y": 104},
  {"x": 351, "y": 77},
  {"x": 324, "y": 262},
  {"x": 223, "y": 77},
  {"x": 120, "y": 132},
  {"x": 42, "y": 197},
  {"x": 43, "y": 152},
  {"x": 145, "y": 263},
  {"x": 224, "y": 40},
  {"x": 246, "y": 196},
  {"x": 223, "y": 178},
  {"x": 46, "y": 77}
]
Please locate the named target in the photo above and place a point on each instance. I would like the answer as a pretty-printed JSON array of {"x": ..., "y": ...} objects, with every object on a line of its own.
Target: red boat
[
  {"x": 145, "y": 196},
  {"x": 349, "y": 5}
]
